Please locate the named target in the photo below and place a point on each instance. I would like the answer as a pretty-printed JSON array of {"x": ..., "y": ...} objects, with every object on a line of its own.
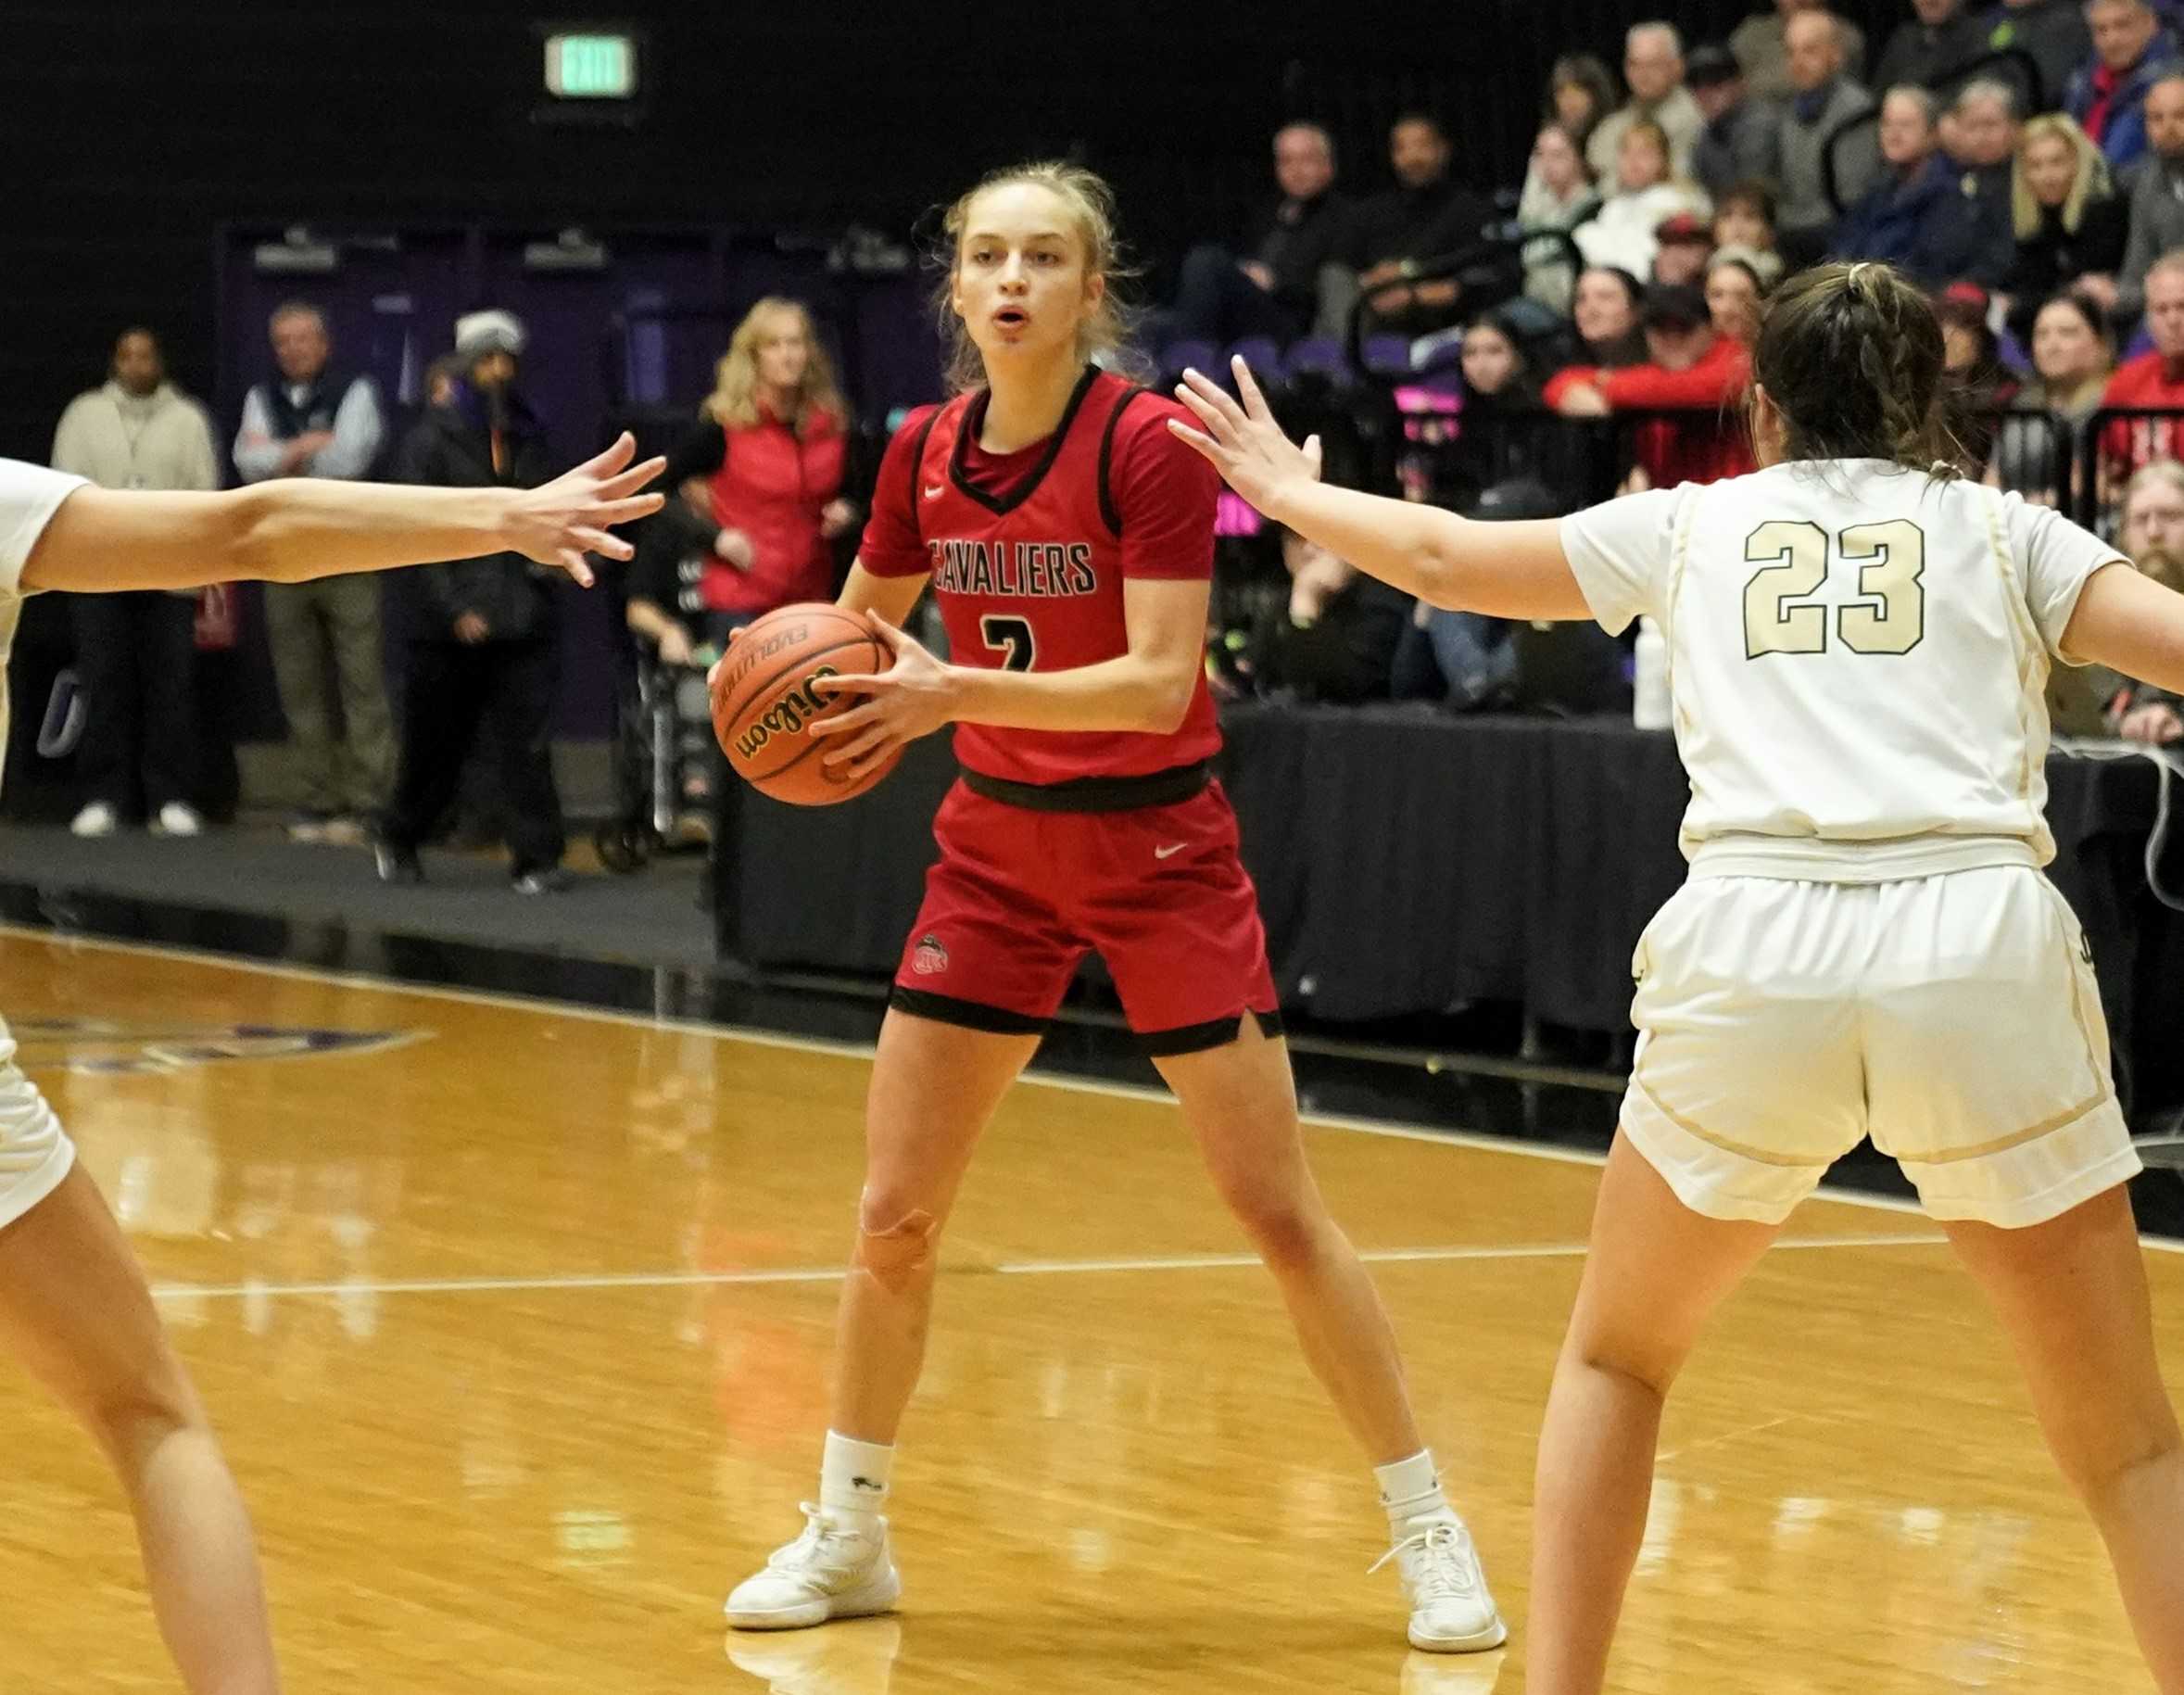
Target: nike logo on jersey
[
  {"x": 1171, "y": 851},
  {"x": 933, "y": 491}
]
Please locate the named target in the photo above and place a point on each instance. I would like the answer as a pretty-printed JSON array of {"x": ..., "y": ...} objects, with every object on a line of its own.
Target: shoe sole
[
  {"x": 1478, "y": 1642},
  {"x": 857, "y": 1603}
]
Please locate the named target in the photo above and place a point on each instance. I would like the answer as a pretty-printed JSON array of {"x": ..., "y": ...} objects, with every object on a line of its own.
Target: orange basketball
[{"x": 763, "y": 707}]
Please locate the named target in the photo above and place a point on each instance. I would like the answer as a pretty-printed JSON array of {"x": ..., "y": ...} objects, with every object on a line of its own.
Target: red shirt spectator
[
  {"x": 772, "y": 451},
  {"x": 2154, "y": 379},
  {"x": 1693, "y": 369}
]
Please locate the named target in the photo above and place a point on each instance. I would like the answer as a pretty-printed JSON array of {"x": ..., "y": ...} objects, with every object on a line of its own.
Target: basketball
[{"x": 764, "y": 706}]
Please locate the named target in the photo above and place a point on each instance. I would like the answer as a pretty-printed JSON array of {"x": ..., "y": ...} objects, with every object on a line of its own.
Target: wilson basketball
[{"x": 764, "y": 706}]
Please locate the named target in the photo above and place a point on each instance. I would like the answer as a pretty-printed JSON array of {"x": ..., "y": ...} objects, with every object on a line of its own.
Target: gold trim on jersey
[{"x": 1760, "y": 1156}]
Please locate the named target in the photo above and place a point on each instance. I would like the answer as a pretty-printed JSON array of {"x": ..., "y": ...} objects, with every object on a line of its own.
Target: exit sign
[{"x": 591, "y": 67}]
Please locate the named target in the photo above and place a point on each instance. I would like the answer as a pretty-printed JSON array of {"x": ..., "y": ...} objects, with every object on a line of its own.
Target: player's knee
[
  {"x": 894, "y": 1243},
  {"x": 2097, "y": 1455},
  {"x": 1286, "y": 1231},
  {"x": 130, "y": 1419}
]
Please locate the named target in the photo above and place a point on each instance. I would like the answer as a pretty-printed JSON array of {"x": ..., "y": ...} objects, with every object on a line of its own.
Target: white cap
[{"x": 478, "y": 334}]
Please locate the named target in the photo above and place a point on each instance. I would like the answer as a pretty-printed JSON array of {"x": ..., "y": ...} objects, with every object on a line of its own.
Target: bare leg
[
  {"x": 75, "y": 1310},
  {"x": 934, "y": 1088},
  {"x": 2072, "y": 1295},
  {"x": 1241, "y": 1103},
  {"x": 1655, "y": 1273}
]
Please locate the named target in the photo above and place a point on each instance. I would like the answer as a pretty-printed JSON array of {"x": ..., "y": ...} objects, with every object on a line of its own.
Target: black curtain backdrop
[{"x": 135, "y": 127}]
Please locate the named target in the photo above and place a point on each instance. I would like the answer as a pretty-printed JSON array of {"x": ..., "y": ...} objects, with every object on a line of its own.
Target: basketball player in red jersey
[{"x": 1068, "y": 535}]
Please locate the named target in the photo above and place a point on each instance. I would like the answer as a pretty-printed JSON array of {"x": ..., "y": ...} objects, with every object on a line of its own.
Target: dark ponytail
[{"x": 1852, "y": 357}]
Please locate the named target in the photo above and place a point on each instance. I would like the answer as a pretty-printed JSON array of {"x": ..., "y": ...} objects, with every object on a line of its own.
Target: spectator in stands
[
  {"x": 2073, "y": 358},
  {"x": 1426, "y": 215},
  {"x": 1653, "y": 69},
  {"x": 1733, "y": 295},
  {"x": 2052, "y": 31},
  {"x": 1741, "y": 136},
  {"x": 1982, "y": 139},
  {"x": 1498, "y": 438},
  {"x": 1761, "y": 45},
  {"x": 1605, "y": 314},
  {"x": 2152, "y": 534},
  {"x": 135, "y": 651},
  {"x": 1646, "y": 194},
  {"x": 1942, "y": 37},
  {"x": 2155, "y": 378},
  {"x": 1558, "y": 196},
  {"x": 1744, "y": 221},
  {"x": 2070, "y": 225},
  {"x": 1334, "y": 639},
  {"x": 2107, "y": 94},
  {"x": 1581, "y": 93},
  {"x": 1689, "y": 368},
  {"x": 311, "y": 420},
  {"x": 1683, "y": 245},
  {"x": 1922, "y": 214},
  {"x": 1825, "y": 99},
  {"x": 2156, "y": 211},
  {"x": 484, "y": 660},
  {"x": 1275, "y": 289}
]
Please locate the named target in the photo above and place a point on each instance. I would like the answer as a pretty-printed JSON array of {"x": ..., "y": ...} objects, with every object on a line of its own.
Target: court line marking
[
  {"x": 1007, "y": 1268},
  {"x": 540, "y": 1007}
]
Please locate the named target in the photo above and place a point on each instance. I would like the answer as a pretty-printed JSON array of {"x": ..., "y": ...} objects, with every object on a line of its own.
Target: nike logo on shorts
[
  {"x": 1171, "y": 851},
  {"x": 933, "y": 491}
]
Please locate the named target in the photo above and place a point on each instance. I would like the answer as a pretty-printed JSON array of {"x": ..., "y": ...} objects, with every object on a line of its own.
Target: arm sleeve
[
  {"x": 2059, "y": 559},
  {"x": 1164, "y": 493},
  {"x": 700, "y": 453},
  {"x": 1619, "y": 552},
  {"x": 30, "y": 495},
  {"x": 1564, "y": 380},
  {"x": 892, "y": 546},
  {"x": 258, "y": 455},
  {"x": 1708, "y": 382},
  {"x": 2140, "y": 249},
  {"x": 358, "y": 431}
]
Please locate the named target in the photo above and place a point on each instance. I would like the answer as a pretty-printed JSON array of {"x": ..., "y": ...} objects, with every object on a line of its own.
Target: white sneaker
[
  {"x": 177, "y": 819},
  {"x": 831, "y": 1570},
  {"x": 1451, "y": 1611},
  {"x": 97, "y": 819}
]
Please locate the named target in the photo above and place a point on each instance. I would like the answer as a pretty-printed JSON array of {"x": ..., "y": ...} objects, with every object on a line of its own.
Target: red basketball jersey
[{"x": 1027, "y": 553}]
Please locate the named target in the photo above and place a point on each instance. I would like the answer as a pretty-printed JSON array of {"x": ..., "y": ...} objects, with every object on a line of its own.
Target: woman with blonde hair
[
  {"x": 768, "y": 458},
  {"x": 2070, "y": 223}
]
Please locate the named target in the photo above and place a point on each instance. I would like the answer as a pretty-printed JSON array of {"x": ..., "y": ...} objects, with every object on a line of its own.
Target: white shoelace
[
  {"x": 825, "y": 1546},
  {"x": 1446, "y": 1570}
]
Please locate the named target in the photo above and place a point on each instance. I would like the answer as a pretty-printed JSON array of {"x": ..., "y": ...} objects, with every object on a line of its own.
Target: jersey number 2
[
  {"x": 1890, "y": 557},
  {"x": 999, "y": 631}
]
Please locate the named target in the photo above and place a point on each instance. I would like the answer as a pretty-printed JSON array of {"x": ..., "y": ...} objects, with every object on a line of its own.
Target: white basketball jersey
[
  {"x": 30, "y": 495},
  {"x": 1857, "y": 658}
]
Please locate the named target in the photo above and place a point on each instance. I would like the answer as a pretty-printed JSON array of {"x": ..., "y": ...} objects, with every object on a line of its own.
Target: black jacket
[
  {"x": 451, "y": 447},
  {"x": 1297, "y": 238},
  {"x": 2052, "y": 259}
]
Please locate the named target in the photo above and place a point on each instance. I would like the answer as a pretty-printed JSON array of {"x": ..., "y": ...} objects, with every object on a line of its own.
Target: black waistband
[{"x": 1167, "y": 788}]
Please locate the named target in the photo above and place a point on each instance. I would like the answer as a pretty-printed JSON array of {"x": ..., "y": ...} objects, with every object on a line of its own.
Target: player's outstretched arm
[
  {"x": 295, "y": 529},
  {"x": 1507, "y": 570},
  {"x": 2131, "y": 623}
]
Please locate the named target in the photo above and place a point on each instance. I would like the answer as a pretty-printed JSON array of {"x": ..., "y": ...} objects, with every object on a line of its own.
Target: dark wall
[{"x": 133, "y": 128}]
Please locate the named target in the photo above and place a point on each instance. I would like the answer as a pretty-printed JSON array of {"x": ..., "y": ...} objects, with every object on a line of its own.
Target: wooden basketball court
[{"x": 516, "y": 1323}]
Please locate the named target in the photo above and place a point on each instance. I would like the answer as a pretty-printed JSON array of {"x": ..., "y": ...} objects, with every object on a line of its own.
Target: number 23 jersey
[
  {"x": 1858, "y": 659},
  {"x": 1029, "y": 552}
]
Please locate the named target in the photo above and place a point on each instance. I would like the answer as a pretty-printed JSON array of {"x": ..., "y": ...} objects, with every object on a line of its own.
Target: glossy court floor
[{"x": 515, "y": 1320}]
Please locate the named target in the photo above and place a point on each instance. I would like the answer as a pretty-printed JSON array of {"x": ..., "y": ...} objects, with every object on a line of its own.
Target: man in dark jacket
[
  {"x": 485, "y": 655},
  {"x": 1274, "y": 287},
  {"x": 1429, "y": 215},
  {"x": 1945, "y": 36}
]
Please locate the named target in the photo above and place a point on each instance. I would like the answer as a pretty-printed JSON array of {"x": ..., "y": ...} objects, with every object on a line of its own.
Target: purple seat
[
  {"x": 1262, "y": 353},
  {"x": 1317, "y": 356},
  {"x": 1200, "y": 356},
  {"x": 1387, "y": 355}
]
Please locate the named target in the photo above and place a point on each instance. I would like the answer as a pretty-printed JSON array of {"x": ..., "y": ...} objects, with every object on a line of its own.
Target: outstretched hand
[
  {"x": 910, "y": 698},
  {"x": 557, "y": 523},
  {"x": 1244, "y": 442}
]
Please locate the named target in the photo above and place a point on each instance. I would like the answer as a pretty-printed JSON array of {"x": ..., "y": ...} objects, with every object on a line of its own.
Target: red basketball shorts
[{"x": 1019, "y": 896}]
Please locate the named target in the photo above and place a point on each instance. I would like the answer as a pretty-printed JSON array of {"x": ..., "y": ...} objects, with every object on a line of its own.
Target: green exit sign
[{"x": 591, "y": 67}]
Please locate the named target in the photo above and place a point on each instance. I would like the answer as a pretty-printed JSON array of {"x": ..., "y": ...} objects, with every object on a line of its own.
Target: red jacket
[
  {"x": 772, "y": 483},
  {"x": 2145, "y": 381},
  {"x": 1698, "y": 450}
]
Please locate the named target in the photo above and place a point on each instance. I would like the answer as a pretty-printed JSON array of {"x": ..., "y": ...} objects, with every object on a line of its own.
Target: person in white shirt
[
  {"x": 1858, "y": 642},
  {"x": 136, "y": 653},
  {"x": 74, "y": 1307}
]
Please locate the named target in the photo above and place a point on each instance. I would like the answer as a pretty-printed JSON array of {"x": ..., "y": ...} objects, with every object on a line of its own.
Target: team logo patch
[
  {"x": 929, "y": 958},
  {"x": 116, "y": 1048}
]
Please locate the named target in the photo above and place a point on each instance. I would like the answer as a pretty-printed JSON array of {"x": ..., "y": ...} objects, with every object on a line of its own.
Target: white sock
[
  {"x": 1410, "y": 1488},
  {"x": 853, "y": 1477}
]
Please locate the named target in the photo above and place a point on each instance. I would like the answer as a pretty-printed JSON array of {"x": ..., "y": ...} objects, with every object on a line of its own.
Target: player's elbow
[
  {"x": 246, "y": 532},
  {"x": 1167, "y": 700}
]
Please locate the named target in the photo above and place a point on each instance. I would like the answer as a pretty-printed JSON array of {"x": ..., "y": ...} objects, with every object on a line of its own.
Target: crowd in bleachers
[{"x": 1529, "y": 346}]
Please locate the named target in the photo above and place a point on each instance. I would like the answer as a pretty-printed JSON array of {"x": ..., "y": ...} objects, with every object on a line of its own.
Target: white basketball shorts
[
  {"x": 1953, "y": 1018},
  {"x": 35, "y": 1152}
]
